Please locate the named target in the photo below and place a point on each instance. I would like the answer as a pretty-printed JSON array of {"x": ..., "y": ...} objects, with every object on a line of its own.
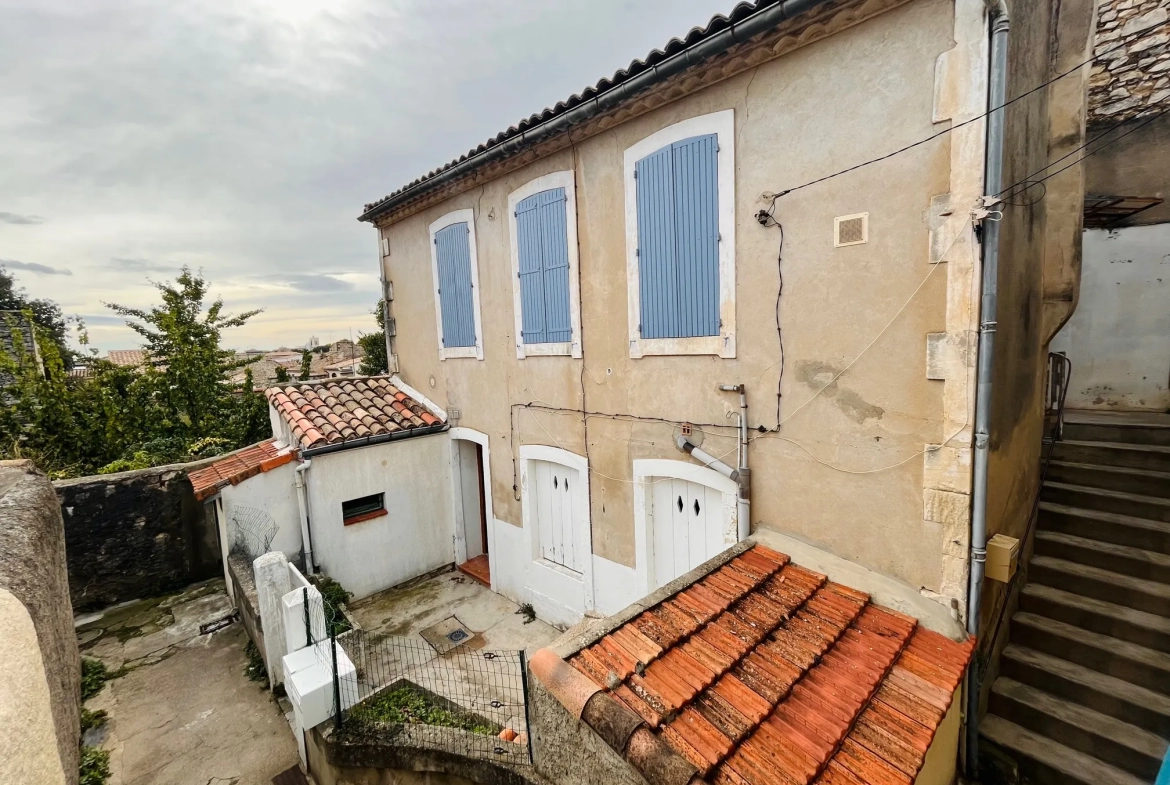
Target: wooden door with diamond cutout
[
  {"x": 552, "y": 486},
  {"x": 688, "y": 526}
]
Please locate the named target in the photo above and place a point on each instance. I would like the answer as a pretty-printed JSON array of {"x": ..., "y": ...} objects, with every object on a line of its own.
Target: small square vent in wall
[{"x": 851, "y": 229}]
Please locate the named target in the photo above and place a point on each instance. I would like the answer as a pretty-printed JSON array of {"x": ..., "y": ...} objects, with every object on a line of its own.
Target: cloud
[
  {"x": 17, "y": 218},
  {"x": 135, "y": 265},
  {"x": 242, "y": 139},
  {"x": 33, "y": 267}
]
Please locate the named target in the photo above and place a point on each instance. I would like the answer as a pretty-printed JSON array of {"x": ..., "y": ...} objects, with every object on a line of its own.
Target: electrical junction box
[{"x": 1002, "y": 554}]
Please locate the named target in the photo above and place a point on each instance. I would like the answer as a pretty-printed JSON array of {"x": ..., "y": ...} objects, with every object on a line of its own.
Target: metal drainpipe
[
  {"x": 744, "y": 498},
  {"x": 993, "y": 184},
  {"x": 303, "y": 504}
]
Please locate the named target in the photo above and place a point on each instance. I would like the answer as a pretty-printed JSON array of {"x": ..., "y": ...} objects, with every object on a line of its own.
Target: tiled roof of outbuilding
[
  {"x": 234, "y": 469},
  {"x": 765, "y": 673},
  {"x": 343, "y": 410}
]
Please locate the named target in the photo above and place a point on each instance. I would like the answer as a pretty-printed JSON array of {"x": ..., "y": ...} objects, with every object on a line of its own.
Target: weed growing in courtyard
[
  {"x": 94, "y": 768},
  {"x": 528, "y": 612},
  {"x": 408, "y": 706},
  {"x": 255, "y": 669},
  {"x": 91, "y": 719},
  {"x": 333, "y": 594},
  {"x": 94, "y": 675}
]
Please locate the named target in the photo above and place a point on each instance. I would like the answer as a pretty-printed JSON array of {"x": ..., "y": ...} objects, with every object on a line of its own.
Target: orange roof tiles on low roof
[
  {"x": 342, "y": 410},
  {"x": 765, "y": 673},
  {"x": 237, "y": 467}
]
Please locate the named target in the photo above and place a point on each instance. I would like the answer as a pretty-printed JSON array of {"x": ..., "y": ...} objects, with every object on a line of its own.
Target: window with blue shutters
[
  {"x": 542, "y": 248},
  {"x": 453, "y": 240},
  {"x": 679, "y": 185},
  {"x": 678, "y": 239},
  {"x": 543, "y": 232}
]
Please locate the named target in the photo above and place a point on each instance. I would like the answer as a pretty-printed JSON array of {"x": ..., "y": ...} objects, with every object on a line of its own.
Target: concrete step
[
  {"x": 1153, "y": 508},
  {"x": 1148, "y": 596},
  {"x": 1117, "y": 621},
  {"x": 1047, "y": 762},
  {"x": 1106, "y": 526},
  {"x": 1115, "y": 478},
  {"x": 1106, "y": 738},
  {"x": 1127, "y": 433},
  {"x": 1121, "y": 659},
  {"x": 1136, "y": 456},
  {"x": 1120, "y": 699},
  {"x": 1135, "y": 562}
]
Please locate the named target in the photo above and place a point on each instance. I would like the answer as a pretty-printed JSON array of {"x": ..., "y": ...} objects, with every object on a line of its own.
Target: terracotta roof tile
[
  {"x": 335, "y": 411},
  {"x": 765, "y": 673},
  {"x": 236, "y": 468}
]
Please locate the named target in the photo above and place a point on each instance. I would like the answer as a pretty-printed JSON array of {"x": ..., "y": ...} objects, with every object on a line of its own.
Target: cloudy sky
[{"x": 243, "y": 138}]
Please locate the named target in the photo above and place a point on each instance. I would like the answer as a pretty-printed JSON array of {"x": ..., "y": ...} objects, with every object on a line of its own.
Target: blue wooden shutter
[
  {"x": 678, "y": 239},
  {"x": 543, "y": 251},
  {"x": 696, "y": 200},
  {"x": 657, "y": 269},
  {"x": 453, "y": 254}
]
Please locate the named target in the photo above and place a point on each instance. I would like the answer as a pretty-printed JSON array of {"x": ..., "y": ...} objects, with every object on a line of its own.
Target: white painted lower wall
[
  {"x": 275, "y": 493},
  {"x": 1118, "y": 339},
  {"x": 414, "y": 537}
]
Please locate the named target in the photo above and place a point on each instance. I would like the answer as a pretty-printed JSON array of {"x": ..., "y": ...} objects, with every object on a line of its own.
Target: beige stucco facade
[{"x": 876, "y": 367}]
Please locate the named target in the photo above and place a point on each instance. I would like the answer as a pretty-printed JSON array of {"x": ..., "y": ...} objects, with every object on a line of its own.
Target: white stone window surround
[
  {"x": 543, "y": 575},
  {"x": 467, "y": 216},
  {"x": 723, "y": 345},
  {"x": 650, "y": 469},
  {"x": 566, "y": 180}
]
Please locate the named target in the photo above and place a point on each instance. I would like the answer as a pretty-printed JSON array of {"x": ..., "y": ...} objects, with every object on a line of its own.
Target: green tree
[
  {"x": 374, "y": 361},
  {"x": 282, "y": 376},
  {"x": 306, "y": 365},
  {"x": 186, "y": 361},
  {"x": 46, "y": 314}
]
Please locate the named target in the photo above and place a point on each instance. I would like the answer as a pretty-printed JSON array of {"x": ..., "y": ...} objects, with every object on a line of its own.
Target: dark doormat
[{"x": 291, "y": 776}]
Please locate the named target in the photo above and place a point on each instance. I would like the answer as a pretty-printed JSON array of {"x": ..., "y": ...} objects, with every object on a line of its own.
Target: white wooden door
[
  {"x": 552, "y": 490},
  {"x": 689, "y": 525}
]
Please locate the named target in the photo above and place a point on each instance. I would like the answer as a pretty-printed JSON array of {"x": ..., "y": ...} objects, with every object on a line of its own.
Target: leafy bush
[
  {"x": 95, "y": 766},
  {"x": 94, "y": 675},
  {"x": 333, "y": 594},
  {"x": 407, "y": 705}
]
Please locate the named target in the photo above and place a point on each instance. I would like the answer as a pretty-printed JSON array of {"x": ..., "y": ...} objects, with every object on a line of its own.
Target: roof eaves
[{"x": 745, "y": 21}]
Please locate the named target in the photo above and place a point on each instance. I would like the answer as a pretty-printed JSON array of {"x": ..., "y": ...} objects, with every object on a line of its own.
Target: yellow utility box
[{"x": 1002, "y": 554}]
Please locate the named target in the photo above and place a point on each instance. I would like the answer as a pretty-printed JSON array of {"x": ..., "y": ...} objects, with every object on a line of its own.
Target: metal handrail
[{"x": 1059, "y": 373}]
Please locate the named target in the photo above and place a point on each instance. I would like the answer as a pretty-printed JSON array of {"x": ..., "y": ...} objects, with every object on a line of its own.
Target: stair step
[
  {"x": 1088, "y": 581},
  {"x": 1047, "y": 762},
  {"x": 1127, "y": 702},
  {"x": 1115, "y": 478},
  {"x": 1128, "y": 433},
  {"x": 1121, "y": 659},
  {"x": 1106, "y": 526},
  {"x": 1106, "y": 618},
  {"x": 1136, "y": 562},
  {"x": 1151, "y": 508},
  {"x": 1105, "y": 738},
  {"x": 1137, "y": 456}
]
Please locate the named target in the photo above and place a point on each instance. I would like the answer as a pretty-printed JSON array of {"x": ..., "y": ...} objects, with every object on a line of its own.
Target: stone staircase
[{"x": 1083, "y": 694}]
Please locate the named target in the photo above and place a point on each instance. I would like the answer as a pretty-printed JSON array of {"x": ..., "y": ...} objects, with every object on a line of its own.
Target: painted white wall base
[{"x": 615, "y": 586}]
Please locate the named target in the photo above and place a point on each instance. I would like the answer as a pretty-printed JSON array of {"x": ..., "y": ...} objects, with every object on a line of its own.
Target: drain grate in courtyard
[{"x": 448, "y": 634}]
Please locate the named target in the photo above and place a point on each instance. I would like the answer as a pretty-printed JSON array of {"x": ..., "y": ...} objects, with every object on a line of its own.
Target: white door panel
[
  {"x": 552, "y": 486},
  {"x": 688, "y": 526}
]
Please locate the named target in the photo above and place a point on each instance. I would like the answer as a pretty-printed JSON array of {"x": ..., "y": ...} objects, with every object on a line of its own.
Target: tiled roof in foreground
[
  {"x": 764, "y": 673},
  {"x": 347, "y": 410},
  {"x": 237, "y": 467}
]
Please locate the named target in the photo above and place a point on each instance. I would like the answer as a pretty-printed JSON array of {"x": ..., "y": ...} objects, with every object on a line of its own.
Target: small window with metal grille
[
  {"x": 851, "y": 230},
  {"x": 357, "y": 510}
]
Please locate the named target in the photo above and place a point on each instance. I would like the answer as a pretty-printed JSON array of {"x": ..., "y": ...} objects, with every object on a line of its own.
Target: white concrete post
[{"x": 272, "y": 583}]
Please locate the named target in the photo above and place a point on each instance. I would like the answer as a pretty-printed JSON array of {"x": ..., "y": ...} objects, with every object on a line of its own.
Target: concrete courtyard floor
[
  {"x": 184, "y": 713},
  {"x": 496, "y": 621}
]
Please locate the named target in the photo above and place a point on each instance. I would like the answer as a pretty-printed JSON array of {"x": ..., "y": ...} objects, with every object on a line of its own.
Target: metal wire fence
[{"x": 456, "y": 698}]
